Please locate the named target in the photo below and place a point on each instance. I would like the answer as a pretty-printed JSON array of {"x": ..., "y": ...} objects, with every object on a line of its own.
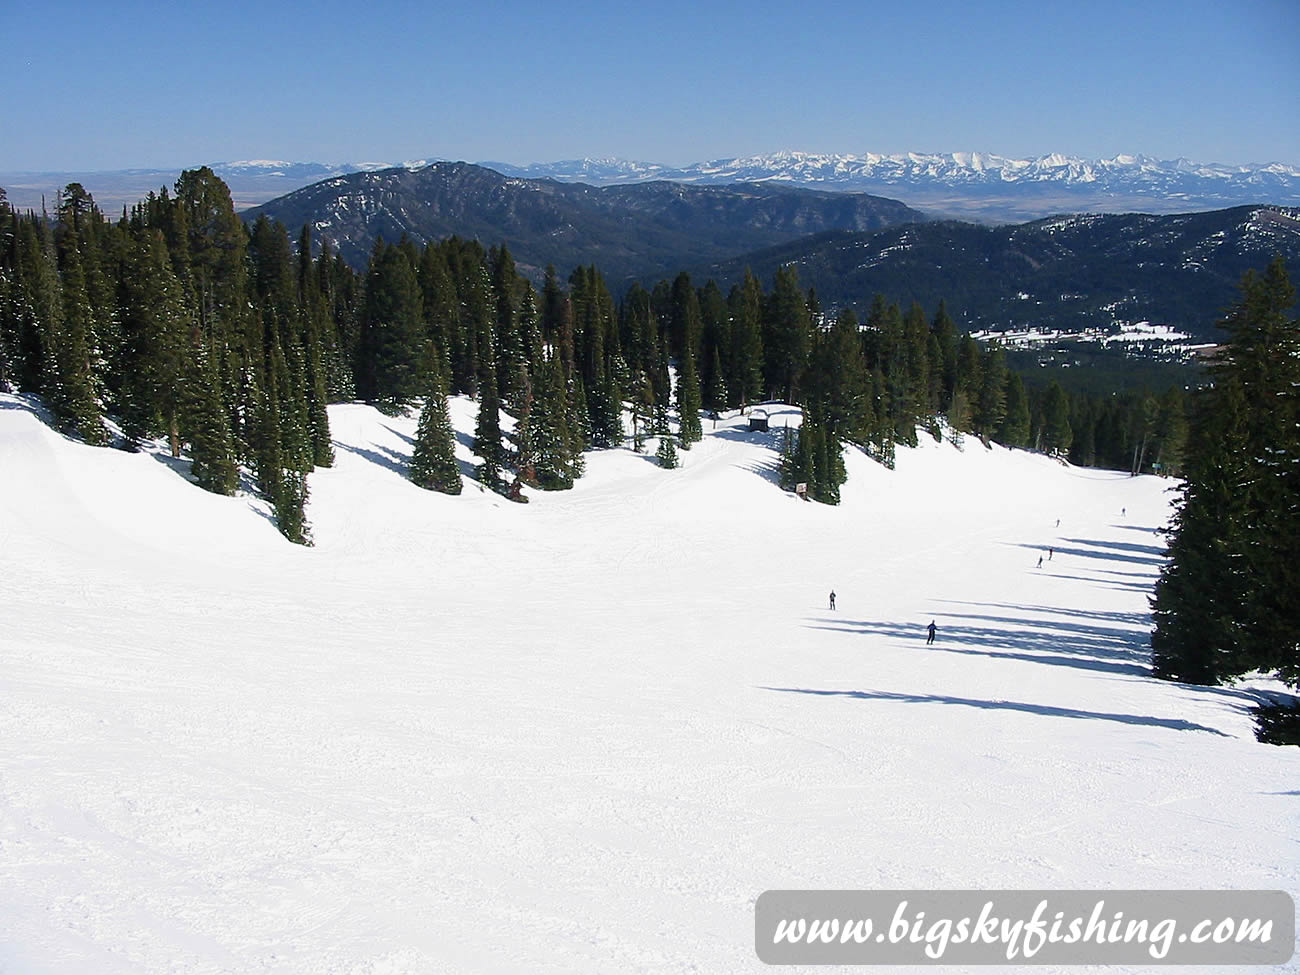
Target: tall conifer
[{"x": 433, "y": 461}]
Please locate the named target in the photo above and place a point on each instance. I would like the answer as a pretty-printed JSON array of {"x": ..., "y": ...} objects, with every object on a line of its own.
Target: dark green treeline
[{"x": 1228, "y": 599}]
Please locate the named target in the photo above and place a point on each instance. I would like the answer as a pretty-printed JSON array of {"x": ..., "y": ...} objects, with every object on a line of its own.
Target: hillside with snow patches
[{"x": 583, "y": 734}]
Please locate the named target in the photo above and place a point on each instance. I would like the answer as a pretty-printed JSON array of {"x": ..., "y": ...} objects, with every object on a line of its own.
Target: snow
[
  {"x": 259, "y": 164},
  {"x": 582, "y": 734}
]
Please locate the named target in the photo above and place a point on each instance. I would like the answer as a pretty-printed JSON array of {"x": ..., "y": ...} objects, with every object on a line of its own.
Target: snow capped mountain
[
  {"x": 975, "y": 183},
  {"x": 601, "y": 172},
  {"x": 1121, "y": 173},
  {"x": 959, "y": 167}
]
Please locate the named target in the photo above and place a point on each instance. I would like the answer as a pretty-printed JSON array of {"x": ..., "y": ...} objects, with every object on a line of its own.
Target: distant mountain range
[
  {"x": 627, "y": 231},
  {"x": 971, "y": 185}
]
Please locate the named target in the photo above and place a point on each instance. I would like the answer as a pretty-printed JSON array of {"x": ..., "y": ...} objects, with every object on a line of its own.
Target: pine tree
[
  {"x": 990, "y": 408},
  {"x": 73, "y": 395},
  {"x": 815, "y": 457},
  {"x": 1057, "y": 434},
  {"x": 839, "y": 385},
  {"x": 1171, "y": 432},
  {"x": 1263, "y": 354},
  {"x": 487, "y": 435},
  {"x": 290, "y": 506},
  {"x": 438, "y": 301},
  {"x": 787, "y": 336},
  {"x": 831, "y": 474},
  {"x": 393, "y": 337},
  {"x": 204, "y": 422},
  {"x": 688, "y": 402},
  {"x": 716, "y": 399},
  {"x": 433, "y": 461},
  {"x": 746, "y": 306},
  {"x": 579, "y": 419},
  {"x": 666, "y": 453},
  {"x": 508, "y": 342},
  {"x": 1203, "y": 585},
  {"x": 155, "y": 323},
  {"x": 291, "y": 381},
  {"x": 1225, "y": 601},
  {"x": 265, "y": 439},
  {"x": 916, "y": 359},
  {"x": 553, "y": 458},
  {"x": 643, "y": 405},
  {"x": 944, "y": 333},
  {"x": 1142, "y": 430},
  {"x": 315, "y": 327},
  {"x": 1014, "y": 430},
  {"x": 799, "y": 457}
]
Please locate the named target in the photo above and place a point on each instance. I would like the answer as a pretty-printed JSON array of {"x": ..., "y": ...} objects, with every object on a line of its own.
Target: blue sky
[{"x": 135, "y": 84}]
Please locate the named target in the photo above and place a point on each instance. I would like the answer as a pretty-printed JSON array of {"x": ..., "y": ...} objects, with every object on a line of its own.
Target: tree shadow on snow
[
  {"x": 1173, "y": 724},
  {"x": 1109, "y": 649},
  {"x": 1099, "y": 641},
  {"x": 1156, "y": 550},
  {"x": 1106, "y": 616},
  {"x": 25, "y": 406},
  {"x": 1106, "y": 583},
  {"x": 1108, "y": 555},
  {"x": 383, "y": 456},
  {"x": 1138, "y": 528},
  {"x": 409, "y": 441},
  {"x": 768, "y": 470}
]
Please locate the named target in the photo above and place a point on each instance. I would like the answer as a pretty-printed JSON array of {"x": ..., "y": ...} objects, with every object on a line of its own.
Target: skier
[
  {"x": 1049, "y": 554},
  {"x": 931, "y": 629},
  {"x": 1040, "y": 561},
  {"x": 832, "y": 599}
]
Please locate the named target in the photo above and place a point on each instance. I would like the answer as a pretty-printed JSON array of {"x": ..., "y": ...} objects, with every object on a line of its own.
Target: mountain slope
[
  {"x": 1064, "y": 273},
  {"x": 602, "y": 722},
  {"x": 626, "y": 230}
]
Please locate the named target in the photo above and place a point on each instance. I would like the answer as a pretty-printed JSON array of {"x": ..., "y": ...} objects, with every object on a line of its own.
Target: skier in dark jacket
[
  {"x": 832, "y": 599},
  {"x": 932, "y": 629}
]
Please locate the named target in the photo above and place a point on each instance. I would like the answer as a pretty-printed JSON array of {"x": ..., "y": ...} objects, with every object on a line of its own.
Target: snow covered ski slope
[{"x": 582, "y": 734}]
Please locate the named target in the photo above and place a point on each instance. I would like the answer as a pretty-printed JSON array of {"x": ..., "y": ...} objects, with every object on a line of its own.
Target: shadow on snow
[
  {"x": 1112, "y": 649},
  {"x": 1104, "y": 551},
  {"x": 1173, "y": 724}
]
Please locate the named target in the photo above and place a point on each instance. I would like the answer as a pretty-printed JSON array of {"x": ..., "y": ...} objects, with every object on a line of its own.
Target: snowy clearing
[{"x": 583, "y": 734}]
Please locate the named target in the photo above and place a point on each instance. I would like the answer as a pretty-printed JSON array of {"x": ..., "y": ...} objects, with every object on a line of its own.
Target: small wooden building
[{"x": 758, "y": 421}]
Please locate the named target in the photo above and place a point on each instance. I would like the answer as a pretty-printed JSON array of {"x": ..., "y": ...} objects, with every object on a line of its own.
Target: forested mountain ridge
[
  {"x": 1068, "y": 272},
  {"x": 647, "y": 229}
]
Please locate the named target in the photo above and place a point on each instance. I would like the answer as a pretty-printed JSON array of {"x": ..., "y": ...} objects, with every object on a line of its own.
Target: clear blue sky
[{"x": 112, "y": 85}]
